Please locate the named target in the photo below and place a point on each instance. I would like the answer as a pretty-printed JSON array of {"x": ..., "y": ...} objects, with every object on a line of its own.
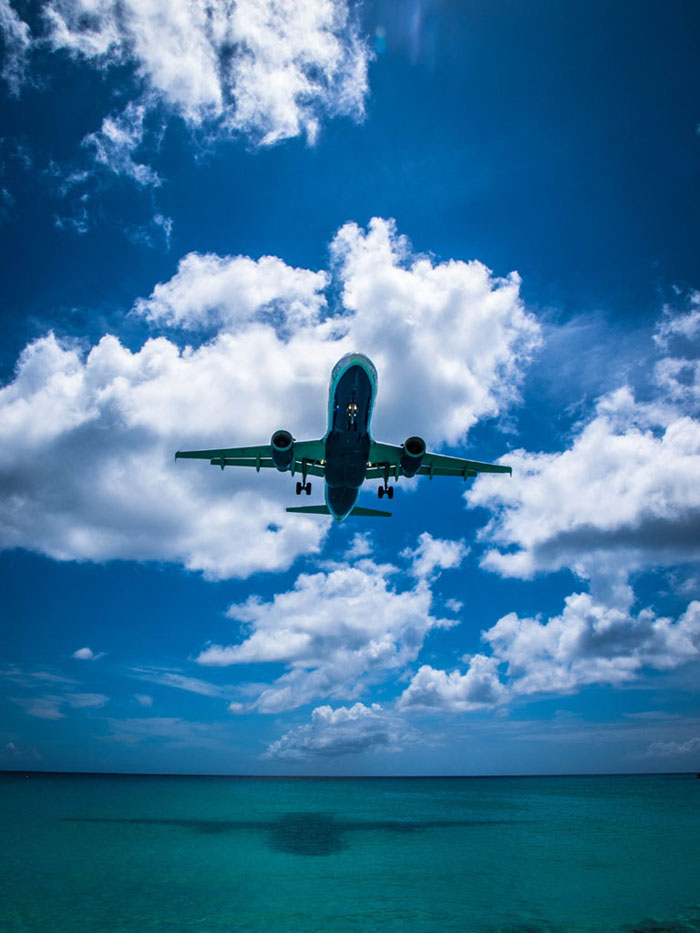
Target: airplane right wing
[{"x": 385, "y": 462}]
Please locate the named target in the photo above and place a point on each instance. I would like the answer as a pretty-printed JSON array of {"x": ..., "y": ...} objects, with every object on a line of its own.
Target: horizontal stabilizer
[{"x": 323, "y": 510}]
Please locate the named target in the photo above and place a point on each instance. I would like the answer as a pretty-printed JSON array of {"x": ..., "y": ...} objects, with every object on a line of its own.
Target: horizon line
[{"x": 339, "y": 777}]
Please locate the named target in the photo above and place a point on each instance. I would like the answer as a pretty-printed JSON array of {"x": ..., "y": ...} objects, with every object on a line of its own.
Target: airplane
[{"x": 346, "y": 455}]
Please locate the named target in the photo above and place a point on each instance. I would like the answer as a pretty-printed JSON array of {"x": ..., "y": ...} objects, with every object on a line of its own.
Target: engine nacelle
[
  {"x": 282, "y": 444},
  {"x": 412, "y": 456}
]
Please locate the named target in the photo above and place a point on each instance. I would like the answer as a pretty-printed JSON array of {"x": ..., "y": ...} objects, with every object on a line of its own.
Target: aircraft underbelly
[{"x": 348, "y": 441}]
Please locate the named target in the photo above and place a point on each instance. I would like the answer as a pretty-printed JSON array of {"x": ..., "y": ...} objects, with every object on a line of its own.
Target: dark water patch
[
  {"x": 305, "y": 833},
  {"x": 674, "y": 925}
]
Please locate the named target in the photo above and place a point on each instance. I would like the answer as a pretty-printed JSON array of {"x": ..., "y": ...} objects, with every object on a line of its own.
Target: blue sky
[{"x": 203, "y": 207}]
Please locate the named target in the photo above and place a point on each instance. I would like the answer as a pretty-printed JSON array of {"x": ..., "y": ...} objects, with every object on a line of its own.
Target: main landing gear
[
  {"x": 389, "y": 490},
  {"x": 304, "y": 487}
]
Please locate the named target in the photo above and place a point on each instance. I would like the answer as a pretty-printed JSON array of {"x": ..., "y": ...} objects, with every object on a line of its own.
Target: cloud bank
[
  {"x": 267, "y": 70},
  {"x": 342, "y": 731},
  {"x": 623, "y": 497},
  {"x": 88, "y": 435},
  {"x": 336, "y": 632}
]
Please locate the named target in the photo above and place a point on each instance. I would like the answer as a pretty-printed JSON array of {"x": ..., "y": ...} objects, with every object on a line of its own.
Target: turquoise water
[{"x": 107, "y": 853}]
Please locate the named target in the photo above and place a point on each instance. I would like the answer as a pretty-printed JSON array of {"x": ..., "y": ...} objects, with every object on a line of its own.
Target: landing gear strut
[
  {"x": 386, "y": 488},
  {"x": 303, "y": 486}
]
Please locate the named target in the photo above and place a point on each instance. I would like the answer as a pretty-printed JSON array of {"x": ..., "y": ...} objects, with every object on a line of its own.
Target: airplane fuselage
[{"x": 351, "y": 401}]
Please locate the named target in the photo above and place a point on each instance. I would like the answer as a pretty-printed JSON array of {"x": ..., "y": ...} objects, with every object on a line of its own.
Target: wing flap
[
  {"x": 458, "y": 465},
  {"x": 308, "y": 455},
  {"x": 235, "y": 453}
]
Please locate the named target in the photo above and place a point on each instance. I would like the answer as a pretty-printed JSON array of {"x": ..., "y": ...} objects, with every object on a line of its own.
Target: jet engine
[
  {"x": 412, "y": 456},
  {"x": 282, "y": 444}
]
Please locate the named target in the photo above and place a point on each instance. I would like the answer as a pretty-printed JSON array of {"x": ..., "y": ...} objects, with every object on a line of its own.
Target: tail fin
[{"x": 323, "y": 510}]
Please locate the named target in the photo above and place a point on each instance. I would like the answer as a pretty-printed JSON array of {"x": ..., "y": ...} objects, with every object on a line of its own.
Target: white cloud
[
  {"x": 19, "y": 754},
  {"x": 230, "y": 291},
  {"x": 143, "y": 699},
  {"x": 83, "y": 700},
  {"x": 360, "y": 546},
  {"x": 116, "y": 141},
  {"x": 454, "y": 318},
  {"x": 179, "y": 681},
  {"x": 44, "y": 707},
  {"x": 622, "y": 497},
  {"x": 434, "y": 554},
  {"x": 268, "y": 69},
  {"x": 590, "y": 643},
  {"x": 342, "y": 731},
  {"x": 479, "y": 688},
  {"x": 87, "y": 654},
  {"x": 87, "y": 439},
  {"x": 675, "y": 325},
  {"x": 335, "y": 631},
  {"x": 625, "y": 495},
  {"x": 50, "y": 706},
  {"x": 17, "y": 42},
  {"x": 673, "y": 749}
]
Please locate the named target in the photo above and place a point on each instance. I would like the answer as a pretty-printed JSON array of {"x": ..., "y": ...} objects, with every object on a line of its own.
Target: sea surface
[{"x": 211, "y": 854}]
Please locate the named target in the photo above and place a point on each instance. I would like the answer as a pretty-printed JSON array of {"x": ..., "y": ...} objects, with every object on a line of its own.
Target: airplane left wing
[
  {"x": 308, "y": 456},
  {"x": 383, "y": 456}
]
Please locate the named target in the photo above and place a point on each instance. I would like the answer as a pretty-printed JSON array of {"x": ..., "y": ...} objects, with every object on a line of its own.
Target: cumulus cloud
[
  {"x": 335, "y": 631},
  {"x": 87, "y": 438},
  {"x": 228, "y": 291},
  {"x": 674, "y": 326},
  {"x": 590, "y": 643},
  {"x": 342, "y": 731},
  {"x": 267, "y": 69},
  {"x": 479, "y": 688},
  {"x": 623, "y": 496},
  {"x": 471, "y": 325},
  {"x": 87, "y": 654},
  {"x": 17, "y": 41},
  {"x": 360, "y": 546},
  {"x": 434, "y": 554}
]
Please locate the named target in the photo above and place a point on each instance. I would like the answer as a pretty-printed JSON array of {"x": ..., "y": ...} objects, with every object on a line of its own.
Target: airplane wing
[
  {"x": 383, "y": 456},
  {"x": 306, "y": 453}
]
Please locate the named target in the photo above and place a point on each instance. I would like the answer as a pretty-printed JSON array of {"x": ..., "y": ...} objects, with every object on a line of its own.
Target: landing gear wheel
[
  {"x": 390, "y": 492},
  {"x": 298, "y": 489},
  {"x": 380, "y": 492},
  {"x": 308, "y": 489}
]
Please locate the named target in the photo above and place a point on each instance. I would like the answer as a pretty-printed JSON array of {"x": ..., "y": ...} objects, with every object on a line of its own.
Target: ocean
[{"x": 211, "y": 854}]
